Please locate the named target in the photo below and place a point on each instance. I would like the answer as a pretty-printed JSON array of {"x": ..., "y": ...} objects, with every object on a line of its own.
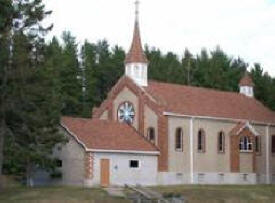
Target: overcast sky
[{"x": 244, "y": 28}]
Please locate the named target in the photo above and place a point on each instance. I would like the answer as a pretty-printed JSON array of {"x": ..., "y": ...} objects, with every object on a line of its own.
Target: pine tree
[
  {"x": 6, "y": 17},
  {"x": 30, "y": 116},
  {"x": 89, "y": 62},
  {"x": 70, "y": 77}
]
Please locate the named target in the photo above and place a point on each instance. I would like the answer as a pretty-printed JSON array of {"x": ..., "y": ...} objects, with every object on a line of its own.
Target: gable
[
  {"x": 244, "y": 128},
  {"x": 127, "y": 88},
  {"x": 126, "y": 95}
]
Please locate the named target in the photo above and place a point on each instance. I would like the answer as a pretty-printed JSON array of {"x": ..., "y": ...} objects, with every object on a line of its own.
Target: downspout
[
  {"x": 191, "y": 150},
  {"x": 267, "y": 155}
]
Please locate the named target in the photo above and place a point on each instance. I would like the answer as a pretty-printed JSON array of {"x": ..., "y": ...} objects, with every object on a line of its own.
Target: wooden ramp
[{"x": 146, "y": 195}]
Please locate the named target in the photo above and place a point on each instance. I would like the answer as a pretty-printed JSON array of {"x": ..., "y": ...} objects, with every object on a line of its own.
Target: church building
[{"x": 153, "y": 133}]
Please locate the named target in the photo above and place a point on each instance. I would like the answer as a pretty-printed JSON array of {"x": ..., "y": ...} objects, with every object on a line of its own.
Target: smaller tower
[
  {"x": 136, "y": 63},
  {"x": 246, "y": 86}
]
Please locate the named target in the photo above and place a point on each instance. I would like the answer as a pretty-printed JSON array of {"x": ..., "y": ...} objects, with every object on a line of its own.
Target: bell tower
[{"x": 136, "y": 63}]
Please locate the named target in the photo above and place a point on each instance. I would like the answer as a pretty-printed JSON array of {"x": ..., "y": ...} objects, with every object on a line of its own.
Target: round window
[{"x": 126, "y": 112}]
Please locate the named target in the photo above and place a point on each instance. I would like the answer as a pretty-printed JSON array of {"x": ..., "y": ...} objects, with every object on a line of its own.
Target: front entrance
[
  {"x": 242, "y": 152},
  {"x": 104, "y": 172}
]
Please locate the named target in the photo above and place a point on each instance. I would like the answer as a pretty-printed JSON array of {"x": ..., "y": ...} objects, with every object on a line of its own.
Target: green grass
[
  {"x": 223, "y": 193},
  {"x": 193, "y": 193},
  {"x": 57, "y": 195}
]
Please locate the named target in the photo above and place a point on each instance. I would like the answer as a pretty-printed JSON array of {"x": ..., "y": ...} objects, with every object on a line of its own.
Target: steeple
[{"x": 136, "y": 63}]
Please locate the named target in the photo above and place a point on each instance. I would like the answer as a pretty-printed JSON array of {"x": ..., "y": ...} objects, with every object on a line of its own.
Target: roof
[
  {"x": 106, "y": 135},
  {"x": 197, "y": 101},
  {"x": 136, "y": 54},
  {"x": 239, "y": 127},
  {"x": 246, "y": 81}
]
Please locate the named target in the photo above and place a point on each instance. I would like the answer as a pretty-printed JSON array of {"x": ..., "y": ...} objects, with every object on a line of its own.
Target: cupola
[{"x": 246, "y": 85}]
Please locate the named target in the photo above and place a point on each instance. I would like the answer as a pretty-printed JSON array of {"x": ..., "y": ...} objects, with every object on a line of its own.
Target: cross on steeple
[{"x": 137, "y": 9}]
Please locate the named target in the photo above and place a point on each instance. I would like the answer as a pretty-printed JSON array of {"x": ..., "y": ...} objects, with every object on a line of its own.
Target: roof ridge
[
  {"x": 199, "y": 87},
  {"x": 204, "y": 101}
]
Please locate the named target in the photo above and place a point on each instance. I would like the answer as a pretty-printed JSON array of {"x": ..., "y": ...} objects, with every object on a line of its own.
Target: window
[
  {"x": 201, "y": 141},
  {"x": 134, "y": 164},
  {"x": 245, "y": 144},
  {"x": 126, "y": 112},
  {"x": 258, "y": 144},
  {"x": 273, "y": 143},
  {"x": 136, "y": 70},
  {"x": 221, "y": 140},
  {"x": 58, "y": 163},
  {"x": 178, "y": 139},
  {"x": 128, "y": 70},
  {"x": 151, "y": 134}
]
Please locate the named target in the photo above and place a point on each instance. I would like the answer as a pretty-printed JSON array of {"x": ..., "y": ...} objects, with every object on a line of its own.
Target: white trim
[
  {"x": 104, "y": 150},
  {"x": 246, "y": 151},
  {"x": 124, "y": 151},
  {"x": 191, "y": 151},
  {"x": 250, "y": 127},
  {"x": 215, "y": 118},
  {"x": 267, "y": 155},
  {"x": 74, "y": 136}
]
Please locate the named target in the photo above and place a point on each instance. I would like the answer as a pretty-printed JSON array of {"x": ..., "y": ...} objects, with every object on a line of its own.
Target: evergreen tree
[
  {"x": 70, "y": 77},
  {"x": 30, "y": 117},
  {"x": 6, "y": 18},
  {"x": 89, "y": 62},
  {"x": 188, "y": 64},
  {"x": 264, "y": 86}
]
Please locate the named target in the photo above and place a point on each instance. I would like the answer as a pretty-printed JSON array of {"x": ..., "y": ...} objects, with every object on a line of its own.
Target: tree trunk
[
  {"x": 1, "y": 153},
  {"x": 29, "y": 175}
]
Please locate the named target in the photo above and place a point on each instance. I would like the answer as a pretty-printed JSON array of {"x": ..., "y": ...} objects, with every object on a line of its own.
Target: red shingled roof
[
  {"x": 106, "y": 135},
  {"x": 198, "y": 101},
  {"x": 246, "y": 81},
  {"x": 136, "y": 54}
]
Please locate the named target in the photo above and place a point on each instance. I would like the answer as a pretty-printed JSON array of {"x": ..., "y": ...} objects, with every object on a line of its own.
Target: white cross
[{"x": 137, "y": 9}]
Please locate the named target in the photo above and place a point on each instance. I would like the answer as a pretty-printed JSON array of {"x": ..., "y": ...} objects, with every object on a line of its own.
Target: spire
[{"x": 136, "y": 54}]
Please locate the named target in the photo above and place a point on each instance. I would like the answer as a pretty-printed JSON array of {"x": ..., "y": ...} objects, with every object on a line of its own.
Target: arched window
[
  {"x": 273, "y": 143},
  {"x": 201, "y": 141},
  {"x": 258, "y": 144},
  {"x": 245, "y": 143},
  {"x": 221, "y": 141},
  {"x": 151, "y": 134},
  {"x": 136, "y": 71},
  {"x": 178, "y": 139}
]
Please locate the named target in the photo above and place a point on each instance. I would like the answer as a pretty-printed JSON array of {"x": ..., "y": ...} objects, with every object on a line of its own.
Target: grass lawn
[
  {"x": 194, "y": 194},
  {"x": 223, "y": 193},
  {"x": 57, "y": 195}
]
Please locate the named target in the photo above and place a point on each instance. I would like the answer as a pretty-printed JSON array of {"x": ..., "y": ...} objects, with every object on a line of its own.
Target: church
[{"x": 153, "y": 133}]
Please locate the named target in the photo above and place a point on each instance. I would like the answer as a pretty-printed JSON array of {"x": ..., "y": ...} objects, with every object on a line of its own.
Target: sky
[{"x": 242, "y": 28}]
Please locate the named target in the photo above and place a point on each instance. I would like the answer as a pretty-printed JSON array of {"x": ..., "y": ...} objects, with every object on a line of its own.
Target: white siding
[{"x": 121, "y": 173}]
